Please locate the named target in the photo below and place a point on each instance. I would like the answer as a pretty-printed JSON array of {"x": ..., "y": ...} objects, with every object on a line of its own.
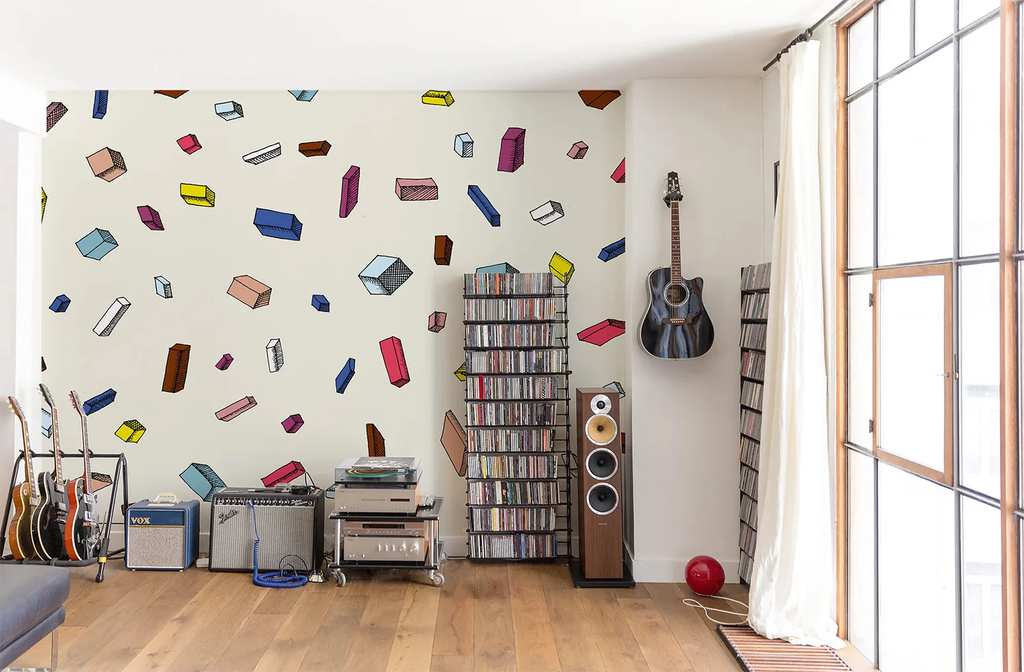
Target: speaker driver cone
[
  {"x": 602, "y": 429},
  {"x": 602, "y": 464},
  {"x": 602, "y": 499},
  {"x": 600, "y": 404}
]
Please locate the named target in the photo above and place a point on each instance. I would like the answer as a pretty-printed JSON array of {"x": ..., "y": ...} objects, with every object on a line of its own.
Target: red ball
[{"x": 704, "y": 575}]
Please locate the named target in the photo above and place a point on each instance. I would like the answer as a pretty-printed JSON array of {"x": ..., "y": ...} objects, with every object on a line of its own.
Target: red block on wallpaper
[
  {"x": 602, "y": 332},
  {"x": 285, "y": 474},
  {"x": 394, "y": 361},
  {"x": 189, "y": 144},
  {"x": 620, "y": 173}
]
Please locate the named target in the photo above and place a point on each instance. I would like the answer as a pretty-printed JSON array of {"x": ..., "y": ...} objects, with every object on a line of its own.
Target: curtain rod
[{"x": 804, "y": 36}]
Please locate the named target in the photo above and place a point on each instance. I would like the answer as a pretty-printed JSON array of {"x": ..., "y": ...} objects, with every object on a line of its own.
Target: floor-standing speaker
[{"x": 599, "y": 449}]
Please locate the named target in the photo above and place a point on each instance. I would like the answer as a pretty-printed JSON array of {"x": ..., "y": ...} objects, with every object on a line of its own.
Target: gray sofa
[{"x": 31, "y": 607}]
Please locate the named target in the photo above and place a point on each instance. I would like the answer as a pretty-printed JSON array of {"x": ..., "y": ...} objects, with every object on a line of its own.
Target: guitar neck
[
  {"x": 85, "y": 455},
  {"x": 677, "y": 267},
  {"x": 29, "y": 475},
  {"x": 57, "y": 464}
]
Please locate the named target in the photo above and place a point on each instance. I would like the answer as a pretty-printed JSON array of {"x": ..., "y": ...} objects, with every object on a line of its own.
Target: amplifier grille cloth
[
  {"x": 284, "y": 530},
  {"x": 159, "y": 547}
]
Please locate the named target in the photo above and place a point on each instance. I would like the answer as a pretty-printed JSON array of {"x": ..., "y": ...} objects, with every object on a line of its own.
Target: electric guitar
[
  {"x": 676, "y": 325},
  {"x": 51, "y": 514},
  {"x": 81, "y": 533},
  {"x": 25, "y": 496}
]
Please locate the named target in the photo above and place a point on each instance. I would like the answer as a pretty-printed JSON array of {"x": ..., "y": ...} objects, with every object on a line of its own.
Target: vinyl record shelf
[
  {"x": 518, "y": 494},
  {"x": 754, "y": 281}
]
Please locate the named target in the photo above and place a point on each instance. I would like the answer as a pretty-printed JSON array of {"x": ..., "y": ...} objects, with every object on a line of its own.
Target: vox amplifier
[
  {"x": 161, "y": 534},
  {"x": 290, "y": 524}
]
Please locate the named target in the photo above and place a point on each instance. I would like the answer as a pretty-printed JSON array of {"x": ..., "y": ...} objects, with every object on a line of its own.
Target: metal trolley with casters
[{"x": 435, "y": 555}]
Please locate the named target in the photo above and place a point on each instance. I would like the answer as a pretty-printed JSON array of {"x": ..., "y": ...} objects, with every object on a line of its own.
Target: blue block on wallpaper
[
  {"x": 163, "y": 287},
  {"x": 96, "y": 244},
  {"x": 498, "y": 268},
  {"x": 275, "y": 224},
  {"x": 464, "y": 145},
  {"x": 321, "y": 303},
  {"x": 60, "y": 304},
  {"x": 345, "y": 377},
  {"x": 304, "y": 95},
  {"x": 99, "y": 402},
  {"x": 609, "y": 252},
  {"x": 47, "y": 423},
  {"x": 99, "y": 104},
  {"x": 228, "y": 110},
  {"x": 493, "y": 218},
  {"x": 203, "y": 480}
]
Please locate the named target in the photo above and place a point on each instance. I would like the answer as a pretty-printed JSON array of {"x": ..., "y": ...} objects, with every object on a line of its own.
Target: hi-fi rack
[{"x": 520, "y": 461}]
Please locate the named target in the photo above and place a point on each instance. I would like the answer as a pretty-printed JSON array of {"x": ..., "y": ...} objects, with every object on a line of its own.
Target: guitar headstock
[
  {"x": 76, "y": 402},
  {"x": 16, "y": 408},
  {"x": 672, "y": 191},
  {"x": 47, "y": 397}
]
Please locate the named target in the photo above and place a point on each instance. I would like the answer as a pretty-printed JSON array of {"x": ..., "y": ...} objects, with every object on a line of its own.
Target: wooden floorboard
[{"x": 515, "y": 617}]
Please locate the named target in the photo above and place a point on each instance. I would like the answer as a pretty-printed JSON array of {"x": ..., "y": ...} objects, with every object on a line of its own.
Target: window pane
[
  {"x": 979, "y": 377},
  {"x": 861, "y": 121},
  {"x": 912, "y": 367},
  {"x": 933, "y": 23},
  {"x": 979, "y": 141},
  {"x": 893, "y": 34},
  {"x": 982, "y": 597},
  {"x": 972, "y": 10},
  {"x": 861, "y": 47},
  {"x": 860, "y": 367},
  {"x": 915, "y": 162},
  {"x": 916, "y": 574},
  {"x": 861, "y": 553}
]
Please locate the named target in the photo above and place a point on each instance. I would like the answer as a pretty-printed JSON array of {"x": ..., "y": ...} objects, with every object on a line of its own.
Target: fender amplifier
[
  {"x": 290, "y": 523},
  {"x": 161, "y": 534}
]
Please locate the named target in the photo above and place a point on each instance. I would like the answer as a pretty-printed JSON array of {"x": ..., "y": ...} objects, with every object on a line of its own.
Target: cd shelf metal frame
[{"x": 561, "y": 429}]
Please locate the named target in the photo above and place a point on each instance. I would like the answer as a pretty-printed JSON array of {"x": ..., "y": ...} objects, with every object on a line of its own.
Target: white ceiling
[{"x": 390, "y": 44}]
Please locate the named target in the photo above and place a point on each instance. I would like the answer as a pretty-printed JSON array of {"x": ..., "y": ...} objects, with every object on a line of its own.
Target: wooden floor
[{"x": 525, "y": 617}]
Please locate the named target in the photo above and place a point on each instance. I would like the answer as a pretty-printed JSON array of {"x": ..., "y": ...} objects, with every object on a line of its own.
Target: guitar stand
[{"x": 101, "y": 558}]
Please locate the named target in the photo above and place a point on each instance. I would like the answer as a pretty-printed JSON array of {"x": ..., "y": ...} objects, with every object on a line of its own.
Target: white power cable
[{"x": 690, "y": 602}]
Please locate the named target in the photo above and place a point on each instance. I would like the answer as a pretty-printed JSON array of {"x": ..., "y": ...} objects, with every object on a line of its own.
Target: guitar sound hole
[{"x": 677, "y": 295}]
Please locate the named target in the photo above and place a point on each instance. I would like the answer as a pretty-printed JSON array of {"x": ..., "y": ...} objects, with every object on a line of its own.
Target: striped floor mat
[{"x": 757, "y": 654}]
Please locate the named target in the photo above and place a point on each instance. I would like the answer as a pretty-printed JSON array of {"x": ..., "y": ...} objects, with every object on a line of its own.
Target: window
[{"x": 923, "y": 393}]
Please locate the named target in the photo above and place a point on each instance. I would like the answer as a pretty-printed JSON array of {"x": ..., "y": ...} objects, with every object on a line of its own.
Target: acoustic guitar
[
  {"x": 676, "y": 325},
  {"x": 81, "y": 533},
  {"x": 25, "y": 496},
  {"x": 51, "y": 514}
]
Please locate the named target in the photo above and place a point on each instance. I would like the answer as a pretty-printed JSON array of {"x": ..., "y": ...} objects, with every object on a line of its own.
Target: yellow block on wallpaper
[
  {"x": 438, "y": 98},
  {"x": 43, "y": 213},
  {"x": 130, "y": 431},
  {"x": 197, "y": 194},
  {"x": 561, "y": 267},
  {"x": 460, "y": 373}
]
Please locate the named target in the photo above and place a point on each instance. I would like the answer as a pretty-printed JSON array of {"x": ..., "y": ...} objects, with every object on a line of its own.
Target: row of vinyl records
[
  {"x": 513, "y": 309},
  {"x": 749, "y": 452},
  {"x": 746, "y": 564},
  {"x": 496, "y": 389},
  {"x": 748, "y": 510},
  {"x": 753, "y": 335},
  {"x": 511, "y": 413},
  {"x": 481, "y": 440},
  {"x": 512, "y": 335},
  {"x": 513, "y": 492},
  {"x": 748, "y": 481},
  {"x": 516, "y": 361},
  {"x": 512, "y": 520},
  {"x": 756, "y": 277},
  {"x": 512, "y": 546},
  {"x": 755, "y": 306},
  {"x": 513, "y": 466},
  {"x": 750, "y": 423},
  {"x": 751, "y": 393},
  {"x": 752, "y": 364},
  {"x": 748, "y": 539},
  {"x": 508, "y": 283}
]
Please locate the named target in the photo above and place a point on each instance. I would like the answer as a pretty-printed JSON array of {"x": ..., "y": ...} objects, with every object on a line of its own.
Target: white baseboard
[{"x": 674, "y": 571}]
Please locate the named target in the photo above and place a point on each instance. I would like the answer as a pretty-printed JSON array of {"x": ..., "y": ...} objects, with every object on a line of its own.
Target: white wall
[{"x": 685, "y": 415}]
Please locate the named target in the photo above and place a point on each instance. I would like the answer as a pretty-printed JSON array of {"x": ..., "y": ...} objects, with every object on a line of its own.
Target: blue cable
[{"x": 279, "y": 579}]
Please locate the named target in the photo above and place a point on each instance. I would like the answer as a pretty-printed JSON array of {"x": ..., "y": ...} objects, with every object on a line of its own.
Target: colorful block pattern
[
  {"x": 617, "y": 386},
  {"x": 96, "y": 244},
  {"x": 345, "y": 376},
  {"x": 171, "y": 93},
  {"x": 503, "y": 267},
  {"x": 561, "y": 267},
  {"x": 198, "y": 194},
  {"x": 274, "y": 224},
  {"x": 598, "y": 99},
  {"x": 112, "y": 316},
  {"x": 163, "y": 287},
  {"x": 443, "y": 250},
  {"x": 292, "y": 423},
  {"x": 263, "y": 155},
  {"x": 249, "y": 291},
  {"x": 349, "y": 191},
  {"x": 619, "y": 175},
  {"x": 612, "y": 250},
  {"x": 99, "y": 104},
  {"x": 189, "y": 143},
  {"x": 464, "y": 145},
  {"x": 203, "y": 480},
  {"x": 47, "y": 423},
  {"x": 602, "y": 332},
  {"x": 42, "y": 211},
  {"x": 100, "y": 401},
  {"x": 318, "y": 148},
  {"x": 54, "y": 113},
  {"x": 513, "y": 150},
  {"x": 578, "y": 150},
  {"x": 438, "y": 98},
  {"x": 275, "y": 355},
  {"x": 384, "y": 275},
  {"x": 176, "y": 368},
  {"x": 150, "y": 217},
  {"x": 60, "y": 303},
  {"x": 374, "y": 441},
  {"x": 229, "y": 110},
  {"x": 284, "y": 474},
  {"x": 303, "y": 95},
  {"x": 321, "y": 303},
  {"x": 481, "y": 201},
  {"x": 107, "y": 164},
  {"x": 460, "y": 372},
  {"x": 453, "y": 439},
  {"x": 130, "y": 431},
  {"x": 435, "y": 322},
  {"x": 546, "y": 213},
  {"x": 416, "y": 188},
  {"x": 394, "y": 361},
  {"x": 232, "y": 411},
  {"x": 224, "y": 362}
]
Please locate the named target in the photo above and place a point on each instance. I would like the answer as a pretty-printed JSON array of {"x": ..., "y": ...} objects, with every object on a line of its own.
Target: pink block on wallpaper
[
  {"x": 620, "y": 173},
  {"x": 602, "y": 332},
  {"x": 189, "y": 144},
  {"x": 150, "y": 217},
  {"x": 435, "y": 322},
  {"x": 349, "y": 191},
  {"x": 416, "y": 189},
  {"x": 293, "y": 423},
  {"x": 236, "y": 409},
  {"x": 394, "y": 361},
  {"x": 513, "y": 150},
  {"x": 285, "y": 474},
  {"x": 578, "y": 150},
  {"x": 224, "y": 362}
]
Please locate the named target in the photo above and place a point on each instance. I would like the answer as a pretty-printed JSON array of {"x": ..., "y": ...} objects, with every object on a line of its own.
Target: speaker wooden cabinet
[{"x": 599, "y": 453}]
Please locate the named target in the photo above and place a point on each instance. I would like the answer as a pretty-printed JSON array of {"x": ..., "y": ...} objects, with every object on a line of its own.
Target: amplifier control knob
[{"x": 380, "y": 547}]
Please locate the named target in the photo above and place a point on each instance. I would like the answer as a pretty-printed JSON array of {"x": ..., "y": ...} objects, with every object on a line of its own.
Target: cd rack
[{"x": 518, "y": 494}]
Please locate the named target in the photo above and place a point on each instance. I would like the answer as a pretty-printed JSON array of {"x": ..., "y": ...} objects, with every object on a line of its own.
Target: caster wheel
[
  {"x": 437, "y": 578},
  {"x": 340, "y": 576},
  {"x": 444, "y": 557}
]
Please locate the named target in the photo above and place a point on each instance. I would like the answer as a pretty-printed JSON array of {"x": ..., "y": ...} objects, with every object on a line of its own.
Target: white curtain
[{"x": 792, "y": 584}]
